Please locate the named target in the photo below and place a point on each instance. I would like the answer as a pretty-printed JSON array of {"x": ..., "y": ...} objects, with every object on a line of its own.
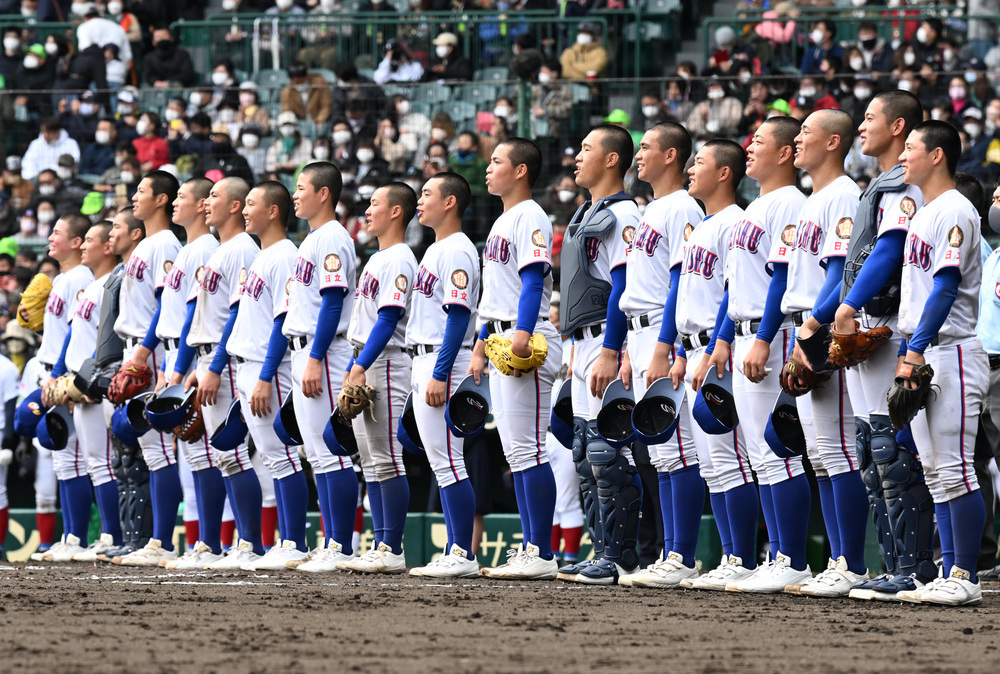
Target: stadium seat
[
  {"x": 421, "y": 107},
  {"x": 368, "y": 73},
  {"x": 327, "y": 75},
  {"x": 391, "y": 90},
  {"x": 433, "y": 94},
  {"x": 155, "y": 99},
  {"x": 461, "y": 111},
  {"x": 491, "y": 75},
  {"x": 581, "y": 93},
  {"x": 475, "y": 92},
  {"x": 270, "y": 83}
]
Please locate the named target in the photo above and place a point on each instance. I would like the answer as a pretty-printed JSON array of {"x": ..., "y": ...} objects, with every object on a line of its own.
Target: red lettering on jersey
[
  {"x": 304, "y": 270},
  {"x": 425, "y": 282},
  {"x": 174, "y": 278},
  {"x": 700, "y": 261},
  {"x": 368, "y": 286},
  {"x": 809, "y": 237},
  {"x": 85, "y": 309},
  {"x": 210, "y": 281},
  {"x": 646, "y": 239},
  {"x": 253, "y": 286}
]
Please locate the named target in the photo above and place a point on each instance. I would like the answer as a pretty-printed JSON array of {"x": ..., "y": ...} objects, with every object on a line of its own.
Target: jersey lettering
[
  {"x": 647, "y": 239},
  {"x": 304, "y": 270},
  {"x": 85, "y": 308},
  {"x": 497, "y": 249},
  {"x": 918, "y": 252},
  {"x": 254, "y": 286},
  {"x": 808, "y": 237},
  {"x": 210, "y": 281},
  {"x": 425, "y": 282},
  {"x": 368, "y": 287},
  {"x": 700, "y": 261},
  {"x": 175, "y": 277},
  {"x": 745, "y": 235},
  {"x": 56, "y": 305},
  {"x": 136, "y": 268}
]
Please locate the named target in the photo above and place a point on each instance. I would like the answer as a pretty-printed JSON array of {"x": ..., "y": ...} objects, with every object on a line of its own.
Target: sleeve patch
[
  {"x": 331, "y": 262},
  {"x": 460, "y": 279},
  {"x": 198, "y": 275},
  {"x": 955, "y": 236},
  {"x": 844, "y": 228},
  {"x": 788, "y": 235},
  {"x": 288, "y": 287},
  {"x": 243, "y": 276},
  {"x": 688, "y": 228},
  {"x": 908, "y": 206},
  {"x": 628, "y": 233},
  {"x": 167, "y": 266},
  {"x": 538, "y": 238},
  {"x": 401, "y": 283}
]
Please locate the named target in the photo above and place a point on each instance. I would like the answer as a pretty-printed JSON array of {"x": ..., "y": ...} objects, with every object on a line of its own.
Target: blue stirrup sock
[
  {"x": 792, "y": 501},
  {"x": 968, "y": 517},
  {"x": 851, "y": 498},
  {"x": 323, "y": 496},
  {"x": 721, "y": 515},
  {"x": 165, "y": 487},
  {"x": 743, "y": 506},
  {"x": 375, "y": 503},
  {"x": 107, "y": 505},
  {"x": 522, "y": 508},
  {"x": 770, "y": 518},
  {"x": 459, "y": 500},
  {"x": 212, "y": 491},
  {"x": 343, "y": 499},
  {"x": 666, "y": 511},
  {"x": 294, "y": 492},
  {"x": 248, "y": 499},
  {"x": 395, "y": 504},
  {"x": 540, "y": 494},
  {"x": 829, "y": 509},
  {"x": 688, "y": 495},
  {"x": 942, "y": 516},
  {"x": 78, "y": 500}
]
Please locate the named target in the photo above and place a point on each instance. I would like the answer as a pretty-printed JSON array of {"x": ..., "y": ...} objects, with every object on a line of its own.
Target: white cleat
[
  {"x": 105, "y": 542},
  {"x": 47, "y": 556},
  {"x": 236, "y": 558},
  {"x": 277, "y": 557},
  {"x": 456, "y": 564},
  {"x": 667, "y": 573},
  {"x": 325, "y": 560},
  {"x": 836, "y": 581},
  {"x": 627, "y": 580},
  {"x": 955, "y": 590},
  {"x": 296, "y": 563},
  {"x": 772, "y": 578},
  {"x": 513, "y": 557},
  {"x": 917, "y": 596},
  {"x": 527, "y": 565},
  {"x": 195, "y": 559},
  {"x": 71, "y": 546},
  {"x": 377, "y": 560},
  {"x": 732, "y": 571},
  {"x": 150, "y": 555}
]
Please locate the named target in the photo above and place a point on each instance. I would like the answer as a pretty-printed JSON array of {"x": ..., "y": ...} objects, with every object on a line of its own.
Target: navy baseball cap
[
  {"x": 233, "y": 431},
  {"x": 614, "y": 421},
  {"x": 657, "y": 413},
  {"x": 168, "y": 407},
  {"x": 29, "y": 413},
  {"x": 55, "y": 428},
  {"x": 715, "y": 406},
  {"x": 406, "y": 430},
  {"x": 468, "y": 407},
  {"x": 339, "y": 435},
  {"x": 783, "y": 432},
  {"x": 286, "y": 426},
  {"x": 561, "y": 418}
]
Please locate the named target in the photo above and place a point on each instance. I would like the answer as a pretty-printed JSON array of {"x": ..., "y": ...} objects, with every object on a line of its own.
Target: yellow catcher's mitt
[
  {"x": 498, "y": 350},
  {"x": 31, "y": 311}
]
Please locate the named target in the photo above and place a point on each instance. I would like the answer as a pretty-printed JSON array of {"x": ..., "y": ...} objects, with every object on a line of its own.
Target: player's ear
[{"x": 611, "y": 160}]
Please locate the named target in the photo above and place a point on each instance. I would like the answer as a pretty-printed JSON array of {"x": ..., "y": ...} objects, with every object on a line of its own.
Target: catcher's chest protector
[{"x": 109, "y": 345}]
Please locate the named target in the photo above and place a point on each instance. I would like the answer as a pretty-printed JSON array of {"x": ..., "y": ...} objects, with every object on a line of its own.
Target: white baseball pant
[
  {"x": 313, "y": 413},
  {"x": 445, "y": 451},
  {"x": 94, "y": 436},
  {"x": 238, "y": 460},
  {"x": 375, "y": 428},
  {"x": 279, "y": 459},
  {"x": 199, "y": 453},
  {"x": 828, "y": 418},
  {"x": 157, "y": 448},
  {"x": 46, "y": 488}
]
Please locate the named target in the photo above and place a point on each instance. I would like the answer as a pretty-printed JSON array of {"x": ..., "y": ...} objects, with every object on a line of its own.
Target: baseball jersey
[
  {"x": 10, "y": 385},
  {"x": 263, "y": 299},
  {"x": 823, "y": 231},
  {"x": 611, "y": 250},
  {"x": 386, "y": 281},
  {"x": 84, "y": 339},
  {"x": 326, "y": 260},
  {"x": 520, "y": 237},
  {"x": 220, "y": 288},
  {"x": 752, "y": 242},
  {"x": 944, "y": 233},
  {"x": 448, "y": 276},
  {"x": 656, "y": 246},
  {"x": 66, "y": 291},
  {"x": 896, "y": 209},
  {"x": 31, "y": 378},
  {"x": 146, "y": 272},
  {"x": 182, "y": 285},
  {"x": 703, "y": 272}
]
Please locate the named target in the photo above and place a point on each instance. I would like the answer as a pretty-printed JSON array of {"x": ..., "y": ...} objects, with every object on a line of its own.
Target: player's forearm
[
  {"x": 936, "y": 308},
  {"x": 616, "y": 328},
  {"x": 59, "y": 369},
  {"x": 773, "y": 317},
  {"x": 831, "y": 284},
  {"x": 668, "y": 327},
  {"x": 221, "y": 358},
  {"x": 532, "y": 287},
  {"x": 826, "y": 310},
  {"x": 277, "y": 346},
  {"x": 185, "y": 352},
  {"x": 378, "y": 338},
  {"x": 725, "y": 327},
  {"x": 454, "y": 332},
  {"x": 883, "y": 262},
  {"x": 151, "y": 341},
  {"x": 329, "y": 320}
]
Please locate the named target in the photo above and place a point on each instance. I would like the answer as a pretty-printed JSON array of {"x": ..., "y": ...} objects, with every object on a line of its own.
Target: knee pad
[
  {"x": 588, "y": 485},
  {"x": 579, "y": 439},
  {"x": 876, "y": 497},
  {"x": 620, "y": 497}
]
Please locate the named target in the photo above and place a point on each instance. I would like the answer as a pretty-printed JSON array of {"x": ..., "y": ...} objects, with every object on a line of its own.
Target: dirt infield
[{"x": 86, "y": 618}]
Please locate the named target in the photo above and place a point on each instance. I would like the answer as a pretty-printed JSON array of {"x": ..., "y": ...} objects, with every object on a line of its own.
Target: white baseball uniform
[
  {"x": 386, "y": 281},
  {"x": 658, "y": 245},
  {"x": 220, "y": 288},
  {"x": 521, "y": 236},
  {"x": 146, "y": 273},
  {"x": 9, "y": 389},
  {"x": 945, "y": 233},
  {"x": 326, "y": 260},
  {"x": 448, "y": 276},
  {"x": 823, "y": 231},
  {"x": 265, "y": 298},
  {"x": 32, "y": 378}
]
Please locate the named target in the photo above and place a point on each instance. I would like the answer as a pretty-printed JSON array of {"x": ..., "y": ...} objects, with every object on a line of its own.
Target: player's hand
[
  {"x": 437, "y": 393},
  {"x": 312, "y": 378},
  {"x": 260, "y": 399},
  {"x": 659, "y": 366},
  {"x": 800, "y": 356},
  {"x": 175, "y": 378},
  {"x": 719, "y": 359},
  {"x": 477, "y": 365},
  {"x": 208, "y": 388},
  {"x": 604, "y": 372},
  {"x": 356, "y": 377},
  {"x": 161, "y": 381},
  {"x": 755, "y": 363},
  {"x": 808, "y": 328},
  {"x": 625, "y": 371},
  {"x": 677, "y": 371},
  {"x": 843, "y": 321},
  {"x": 46, "y": 386},
  {"x": 913, "y": 358},
  {"x": 140, "y": 356},
  {"x": 191, "y": 381},
  {"x": 520, "y": 346}
]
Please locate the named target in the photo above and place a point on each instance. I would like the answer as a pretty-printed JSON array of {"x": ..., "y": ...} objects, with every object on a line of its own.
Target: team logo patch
[
  {"x": 460, "y": 279},
  {"x": 332, "y": 262},
  {"x": 79, "y": 294},
  {"x": 844, "y": 228},
  {"x": 996, "y": 290},
  {"x": 243, "y": 276},
  {"x": 288, "y": 287},
  {"x": 538, "y": 238},
  {"x": 167, "y": 266},
  {"x": 628, "y": 233},
  {"x": 788, "y": 235},
  {"x": 35, "y": 409},
  {"x": 688, "y": 228},
  {"x": 198, "y": 275},
  {"x": 401, "y": 283},
  {"x": 955, "y": 236},
  {"x": 908, "y": 206}
]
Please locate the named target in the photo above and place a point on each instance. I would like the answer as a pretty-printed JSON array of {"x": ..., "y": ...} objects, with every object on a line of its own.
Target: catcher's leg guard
[
  {"x": 588, "y": 485},
  {"x": 876, "y": 495},
  {"x": 909, "y": 503},
  {"x": 121, "y": 480},
  {"x": 620, "y": 498},
  {"x": 141, "y": 502}
]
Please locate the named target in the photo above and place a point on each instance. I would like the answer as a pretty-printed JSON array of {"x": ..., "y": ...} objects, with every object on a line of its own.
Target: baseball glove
[
  {"x": 192, "y": 429},
  {"x": 31, "y": 311},
  {"x": 904, "y": 403},
  {"x": 849, "y": 349},
  {"x": 796, "y": 379},
  {"x": 353, "y": 400},
  {"x": 62, "y": 388},
  {"x": 498, "y": 350},
  {"x": 816, "y": 348},
  {"x": 128, "y": 382}
]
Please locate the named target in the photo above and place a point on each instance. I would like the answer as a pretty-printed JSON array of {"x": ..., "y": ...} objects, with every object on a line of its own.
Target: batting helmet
[
  {"x": 614, "y": 421},
  {"x": 656, "y": 415},
  {"x": 339, "y": 435},
  {"x": 468, "y": 408},
  {"x": 561, "y": 418},
  {"x": 715, "y": 407},
  {"x": 168, "y": 407},
  {"x": 233, "y": 430},
  {"x": 406, "y": 430},
  {"x": 783, "y": 431},
  {"x": 122, "y": 429},
  {"x": 135, "y": 413},
  {"x": 286, "y": 426},
  {"x": 55, "y": 428},
  {"x": 29, "y": 413}
]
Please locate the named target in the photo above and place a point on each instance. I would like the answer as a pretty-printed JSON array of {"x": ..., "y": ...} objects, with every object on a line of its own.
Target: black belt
[
  {"x": 586, "y": 331},
  {"x": 419, "y": 349},
  {"x": 239, "y": 361},
  {"x": 748, "y": 328},
  {"x": 47, "y": 367},
  {"x": 799, "y": 317},
  {"x": 493, "y": 327},
  {"x": 688, "y": 341},
  {"x": 296, "y": 343},
  {"x": 995, "y": 362},
  {"x": 638, "y": 322},
  {"x": 171, "y": 344},
  {"x": 132, "y": 342},
  {"x": 204, "y": 349}
]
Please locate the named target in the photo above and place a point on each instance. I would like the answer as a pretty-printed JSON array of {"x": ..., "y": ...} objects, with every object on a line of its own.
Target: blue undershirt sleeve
[
  {"x": 221, "y": 358},
  {"x": 720, "y": 325},
  {"x": 328, "y": 321},
  {"x": 277, "y": 345},
  {"x": 902, "y": 347},
  {"x": 59, "y": 368},
  {"x": 185, "y": 352},
  {"x": 826, "y": 310},
  {"x": 532, "y": 286},
  {"x": 832, "y": 282},
  {"x": 380, "y": 335},
  {"x": 616, "y": 328},
  {"x": 681, "y": 353},
  {"x": 936, "y": 308},
  {"x": 668, "y": 325},
  {"x": 150, "y": 341},
  {"x": 454, "y": 332},
  {"x": 773, "y": 317},
  {"x": 484, "y": 332}
]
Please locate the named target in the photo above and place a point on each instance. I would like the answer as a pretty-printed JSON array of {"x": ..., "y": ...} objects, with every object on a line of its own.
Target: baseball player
[
  {"x": 653, "y": 269},
  {"x": 899, "y": 498},
  {"x": 216, "y": 307},
  {"x": 593, "y": 280},
  {"x": 145, "y": 277},
  {"x": 439, "y": 332},
  {"x": 70, "y": 464},
  {"x": 381, "y": 362},
  {"x": 815, "y": 265},
  {"x": 263, "y": 373},
  {"x": 321, "y": 297},
  {"x": 517, "y": 284},
  {"x": 177, "y": 310},
  {"x": 939, "y": 307},
  {"x": 9, "y": 389},
  {"x": 44, "y": 485}
]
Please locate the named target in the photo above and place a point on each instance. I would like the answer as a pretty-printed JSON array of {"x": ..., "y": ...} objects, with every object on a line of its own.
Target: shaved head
[
  {"x": 836, "y": 123},
  {"x": 235, "y": 189}
]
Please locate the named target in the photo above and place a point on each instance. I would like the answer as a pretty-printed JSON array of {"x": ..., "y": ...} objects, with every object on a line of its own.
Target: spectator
[
  {"x": 116, "y": 70},
  {"x": 44, "y": 151},
  {"x": 28, "y": 231},
  {"x": 823, "y": 39},
  {"x": 653, "y": 112},
  {"x": 123, "y": 151},
  {"x": 376, "y": 31},
  {"x": 251, "y": 150},
  {"x": 958, "y": 92},
  {"x": 45, "y": 214},
  {"x": 363, "y": 124},
  {"x": 353, "y": 86},
  {"x": 443, "y": 130},
  {"x": 414, "y": 127},
  {"x": 36, "y": 73},
  {"x": 342, "y": 147},
  {"x": 981, "y": 33},
  {"x": 224, "y": 161},
  {"x": 100, "y": 31},
  {"x": 551, "y": 100},
  {"x": 813, "y": 95},
  {"x": 856, "y": 103},
  {"x": 909, "y": 81},
  {"x": 974, "y": 144},
  {"x": 878, "y": 55},
  {"x": 754, "y": 112},
  {"x": 498, "y": 133},
  {"x": 307, "y": 95},
  {"x": 16, "y": 190},
  {"x": 191, "y": 138},
  {"x": 450, "y": 64},
  {"x": 321, "y": 33},
  {"x": 200, "y": 101},
  {"x": 176, "y": 109},
  {"x": 151, "y": 149},
  {"x": 224, "y": 85},
  {"x": 99, "y": 156},
  {"x": 79, "y": 117},
  {"x": 586, "y": 59},
  {"x": 167, "y": 66},
  {"x": 127, "y": 182},
  {"x": 226, "y": 116},
  {"x": 992, "y": 121},
  {"x": 128, "y": 21},
  {"x": 933, "y": 86},
  {"x": 13, "y": 52},
  {"x": 729, "y": 54},
  {"x": 66, "y": 196},
  {"x": 925, "y": 40},
  {"x": 436, "y": 160},
  {"x": 66, "y": 171},
  {"x": 251, "y": 111},
  {"x": 678, "y": 103},
  {"x": 561, "y": 200},
  {"x": 370, "y": 165},
  {"x": 393, "y": 150},
  {"x": 290, "y": 149},
  {"x": 397, "y": 65},
  {"x": 467, "y": 163},
  {"x": 979, "y": 85},
  {"x": 948, "y": 55},
  {"x": 87, "y": 68},
  {"x": 505, "y": 108},
  {"x": 717, "y": 117}
]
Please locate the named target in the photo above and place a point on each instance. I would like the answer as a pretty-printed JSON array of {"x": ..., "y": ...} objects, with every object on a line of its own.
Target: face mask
[
  {"x": 341, "y": 137},
  {"x": 126, "y": 177},
  {"x": 164, "y": 45},
  {"x": 857, "y": 63},
  {"x": 995, "y": 219},
  {"x": 957, "y": 93},
  {"x": 115, "y": 8},
  {"x": 118, "y": 160},
  {"x": 195, "y": 99},
  {"x": 365, "y": 155},
  {"x": 584, "y": 38},
  {"x": 250, "y": 140},
  {"x": 227, "y": 115},
  {"x": 141, "y": 127},
  {"x": 650, "y": 111},
  {"x": 937, "y": 115},
  {"x": 348, "y": 178},
  {"x": 87, "y": 109},
  {"x": 905, "y": 85},
  {"x": 948, "y": 55},
  {"x": 389, "y": 133},
  {"x": 102, "y": 137},
  {"x": 28, "y": 225},
  {"x": 365, "y": 193},
  {"x": 974, "y": 130},
  {"x": 439, "y": 135},
  {"x": 862, "y": 93},
  {"x": 403, "y": 108},
  {"x": 284, "y": 4},
  {"x": 321, "y": 153},
  {"x": 64, "y": 173},
  {"x": 11, "y": 43},
  {"x": 287, "y": 130},
  {"x": 869, "y": 44},
  {"x": 228, "y": 5},
  {"x": 171, "y": 114},
  {"x": 909, "y": 58},
  {"x": 544, "y": 78},
  {"x": 46, "y": 217},
  {"x": 46, "y": 190},
  {"x": 219, "y": 79},
  {"x": 745, "y": 77},
  {"x": 806, "y": 182},
  {"x": 501, "y": 111},
  {"x": 31, "y": 62},
  {"x": 858, "y": 3},
  {"x": 247, "y": 100},
  {"x": 922, "y": 35},
  {"x": 817, "y": 36},
  {"x": 970, "y": 77},
  {"x": 415, "y": 186},
  {"x": 808, "y": 92},
  {"x": 442, "y": 51},
  {"x": 78, "y": 8},
  {"x": 328, "y": 6},
  {"x": 715, "y": 94},
  {"x": 566, "y": 196},
  {"x": 51, "y": 48}
]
